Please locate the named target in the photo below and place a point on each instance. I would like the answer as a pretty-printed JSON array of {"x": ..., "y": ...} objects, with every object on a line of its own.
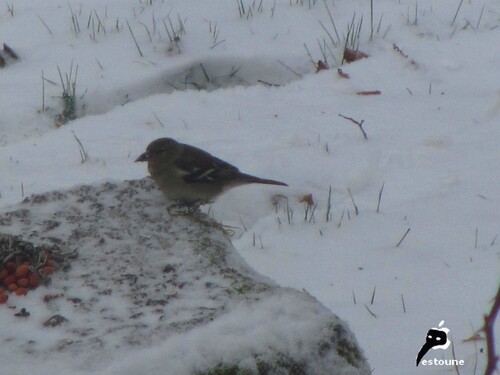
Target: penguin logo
[{"x": 437, "y": 338}]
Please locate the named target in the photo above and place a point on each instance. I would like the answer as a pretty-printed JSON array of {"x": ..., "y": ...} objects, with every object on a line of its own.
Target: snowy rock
[{"x": 152, "y": 293}]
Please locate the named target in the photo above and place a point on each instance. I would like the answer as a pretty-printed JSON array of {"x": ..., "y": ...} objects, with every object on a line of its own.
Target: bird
[{"x": 190, "y": 176}]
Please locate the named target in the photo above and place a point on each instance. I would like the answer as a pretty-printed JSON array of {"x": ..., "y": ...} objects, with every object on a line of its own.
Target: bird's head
[{"x": 161, "y": 148}]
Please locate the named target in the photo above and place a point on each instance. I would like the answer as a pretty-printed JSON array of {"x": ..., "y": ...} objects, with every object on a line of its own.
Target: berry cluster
[{"x": 20, "y": 277}]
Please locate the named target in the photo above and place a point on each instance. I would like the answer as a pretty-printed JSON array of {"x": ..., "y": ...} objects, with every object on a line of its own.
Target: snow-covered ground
[
  {"x": 432, "y": 141},
  {"x": 154, "y": 293}
]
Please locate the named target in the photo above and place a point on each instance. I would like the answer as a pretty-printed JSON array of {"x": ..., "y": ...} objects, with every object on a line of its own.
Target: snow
[
  {"x": 432, "y": 141},
  {"x": 165, "y": 286},
  {"x": 247, "y": 331}
]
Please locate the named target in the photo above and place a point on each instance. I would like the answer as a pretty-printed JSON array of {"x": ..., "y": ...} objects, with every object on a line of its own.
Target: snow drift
[{"x": 154, "y": 293}]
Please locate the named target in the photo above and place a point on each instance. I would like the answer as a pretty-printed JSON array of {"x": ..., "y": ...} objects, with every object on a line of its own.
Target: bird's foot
[{"x": 183, "y": 209}]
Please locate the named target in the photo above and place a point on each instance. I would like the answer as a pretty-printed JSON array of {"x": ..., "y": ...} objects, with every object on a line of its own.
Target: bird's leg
[{"x": 180, "y": 209}]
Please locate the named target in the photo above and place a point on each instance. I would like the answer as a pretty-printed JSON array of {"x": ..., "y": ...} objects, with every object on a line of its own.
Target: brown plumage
[{"x": 188, "y": 175}]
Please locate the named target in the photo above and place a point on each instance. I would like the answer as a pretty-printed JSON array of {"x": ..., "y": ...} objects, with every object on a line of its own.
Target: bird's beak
[{"x": 142, "y": 157}]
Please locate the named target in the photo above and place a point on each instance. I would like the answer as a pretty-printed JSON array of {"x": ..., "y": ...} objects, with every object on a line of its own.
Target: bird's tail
[{"x": 246, "y": 178}]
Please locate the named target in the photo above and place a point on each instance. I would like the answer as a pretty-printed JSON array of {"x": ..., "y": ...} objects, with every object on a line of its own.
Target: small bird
[{"x": 189, "y": 176}]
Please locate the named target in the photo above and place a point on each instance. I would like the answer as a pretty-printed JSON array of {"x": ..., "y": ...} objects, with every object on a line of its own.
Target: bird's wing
[{"x": 200, "y": 166}]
